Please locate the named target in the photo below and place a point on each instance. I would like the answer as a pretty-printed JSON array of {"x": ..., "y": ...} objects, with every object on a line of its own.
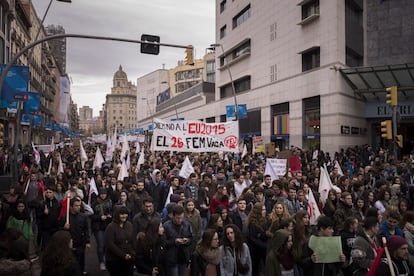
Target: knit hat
[{"x": 395, "y": 242}]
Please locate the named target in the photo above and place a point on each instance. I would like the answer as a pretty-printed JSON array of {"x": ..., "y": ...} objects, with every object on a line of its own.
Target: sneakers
[{"x": 102, "y": 266}]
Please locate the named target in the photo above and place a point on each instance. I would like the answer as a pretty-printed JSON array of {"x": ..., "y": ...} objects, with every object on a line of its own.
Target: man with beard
[{"x": 398, "y": 248}]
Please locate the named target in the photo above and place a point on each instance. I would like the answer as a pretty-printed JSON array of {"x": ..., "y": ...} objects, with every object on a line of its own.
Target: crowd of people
[{"x": 228, "y": 217}]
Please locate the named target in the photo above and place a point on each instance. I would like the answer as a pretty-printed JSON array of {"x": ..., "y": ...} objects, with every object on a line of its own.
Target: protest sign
[
  {"x": 327, "y": 249},
  {"x": 195, "y": 136},
  {"x": 275, "y": 167}
]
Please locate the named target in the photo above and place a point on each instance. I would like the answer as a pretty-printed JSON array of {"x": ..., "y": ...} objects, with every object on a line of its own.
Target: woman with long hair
[
  {"x": 124, "y": 201},
  {"x": 235, "y": 254},
  {"x": 279, "y": 213},
  {"x": 224, "y": 213},
  {"x": 257, "y": 238},
  {"x": 331, "y": 203},
  {"x": 192, "y": 215},
  {"x": 119, "y": 251},
  {"x": 382, "y": 203},
  {"x": 58, "y": 258},
  {"x": 220, "y": 198},
  {"x": 205, "y": 260},
  {"x": 216, "y": 223},
  {"x": 150, "y": 249},
  {"x": 20, "y": 219},
  {"x": 301, "y": 232},
  {"x": 359, "y": 209},
  {"x": 280, "y": 259}
]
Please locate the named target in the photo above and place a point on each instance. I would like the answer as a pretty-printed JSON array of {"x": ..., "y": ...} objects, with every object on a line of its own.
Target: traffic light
[
  {"x": 391, "y": 97},
  {"x": 399, "y": 140},
  {"x": 147, "y": 48},
  {"x": 386, "y": 129},
  {"x": 1, "y": 134},
  {"x": 189, "y": 59}
]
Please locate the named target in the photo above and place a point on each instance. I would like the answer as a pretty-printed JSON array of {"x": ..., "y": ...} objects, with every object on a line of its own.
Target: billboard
[{"x": 16, "y": 82}]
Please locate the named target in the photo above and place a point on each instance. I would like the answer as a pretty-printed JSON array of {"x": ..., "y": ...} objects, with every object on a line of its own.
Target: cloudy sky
[{"x": 91, "y": 64}]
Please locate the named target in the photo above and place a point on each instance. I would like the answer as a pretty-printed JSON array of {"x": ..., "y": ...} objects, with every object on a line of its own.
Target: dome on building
[{"x": 120, "y": 74}]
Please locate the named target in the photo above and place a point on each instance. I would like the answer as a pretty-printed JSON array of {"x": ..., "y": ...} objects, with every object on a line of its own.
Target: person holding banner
[
  {"x": 310, "y": 262},
  {"x": 398, "y": 251}
]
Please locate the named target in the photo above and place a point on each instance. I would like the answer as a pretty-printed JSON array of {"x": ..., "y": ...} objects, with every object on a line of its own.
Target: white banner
[
  {"x": 195, "y": 136},
  {"x": 275, "y": 167}
]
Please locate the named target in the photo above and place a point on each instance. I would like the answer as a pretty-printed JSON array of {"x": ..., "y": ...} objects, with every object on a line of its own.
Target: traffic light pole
[
  {"x": 394, "y": 131},
  {"x": 13, "y": 60}
]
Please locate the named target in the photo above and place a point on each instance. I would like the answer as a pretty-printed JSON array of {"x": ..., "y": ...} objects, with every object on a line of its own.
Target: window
[
  {"x": 241, "y": 17},
  {"x": 273, "y": 73},
  {"x": 353, "y": 59},
  {"x": 222, "y": 6},
  {"x": 311, "y": 59},
  {"x": 310, "y": 8},
  {"x": 244, "y": 48},
  {"x": 273, "y": 28},
  {"x": 223, "y": 31},
  {"x": 240, "y": 85}
]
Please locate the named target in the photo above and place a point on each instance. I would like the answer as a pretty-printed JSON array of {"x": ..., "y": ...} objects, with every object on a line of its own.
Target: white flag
[
  {"x": 52, "y": 146},
  {"x": 315, "y": 155},
  {"x": 337, "y": 166},
  {"x": 123, "y": 171},
  {"x": 36, "y": 154},
  {"x": 313, "y": 209},
  {"x": 125, "y": 147},
  {"x": 325, "y": 184},
  {"x": 141, "y": 159},
  {"x": 109, "y": 151},
  {"x": 244, "y": 153},
  {"x": 60, "y": 167},
  {"x": 83, "y": 155},
  {"x": 49, "y": 170},
  {"x": 97, "y": 162},
  {"x": 186, "y": 169},
  {"x": 92, "y": 190},
  {"x": 253, "y": 148}
]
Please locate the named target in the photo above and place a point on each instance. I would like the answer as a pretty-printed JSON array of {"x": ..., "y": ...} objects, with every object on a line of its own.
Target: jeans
[
  {"x": 100, "y": 245},
  {"x": 176, "y": 270},
  {"x": 79, "y": 253}
]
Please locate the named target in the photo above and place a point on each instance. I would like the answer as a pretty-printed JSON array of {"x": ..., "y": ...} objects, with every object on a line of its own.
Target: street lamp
[{"x": 236, "y": 107}]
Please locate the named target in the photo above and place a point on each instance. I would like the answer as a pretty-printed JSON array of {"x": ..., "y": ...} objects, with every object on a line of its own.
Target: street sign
[{"x": 23, "y": 97}]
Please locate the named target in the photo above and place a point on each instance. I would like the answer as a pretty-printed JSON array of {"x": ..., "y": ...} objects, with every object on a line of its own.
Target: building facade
[{"x": 121, "y": 104}]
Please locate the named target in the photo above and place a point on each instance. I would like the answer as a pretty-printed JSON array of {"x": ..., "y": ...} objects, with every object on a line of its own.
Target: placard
[{"x": 195, "y": 136}]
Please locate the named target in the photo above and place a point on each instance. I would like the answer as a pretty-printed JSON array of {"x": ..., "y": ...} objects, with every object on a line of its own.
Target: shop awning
[{"x": 370, "y": 82}]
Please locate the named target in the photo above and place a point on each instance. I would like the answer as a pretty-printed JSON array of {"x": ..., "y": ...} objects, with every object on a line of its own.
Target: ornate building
[{"x": 120, "y": 106}]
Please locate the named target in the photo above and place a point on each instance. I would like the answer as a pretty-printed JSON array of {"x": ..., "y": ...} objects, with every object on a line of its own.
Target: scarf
[
  {"x": 211, "y": 255},
  {"x": 287, "y": 260},
  {"x": 409, "y": 227}
]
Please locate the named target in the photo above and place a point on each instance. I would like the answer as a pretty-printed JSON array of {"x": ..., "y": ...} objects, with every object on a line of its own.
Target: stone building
[{"x": 121, "y": 104}]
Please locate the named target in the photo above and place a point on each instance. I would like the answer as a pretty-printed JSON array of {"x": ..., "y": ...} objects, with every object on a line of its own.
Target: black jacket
[
  {"x": 177, "y": 254},
  {"x": 48, "y": 222},
  {"x": 79, "y": 228}
]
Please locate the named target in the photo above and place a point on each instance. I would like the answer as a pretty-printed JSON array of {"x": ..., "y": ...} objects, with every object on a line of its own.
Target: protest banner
[
  {"x": 327, "y": 249},
  {"x": 275, "y": 167},
  {"x": 195, "y": 136},
  {"x": 258, "y": 144}
]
